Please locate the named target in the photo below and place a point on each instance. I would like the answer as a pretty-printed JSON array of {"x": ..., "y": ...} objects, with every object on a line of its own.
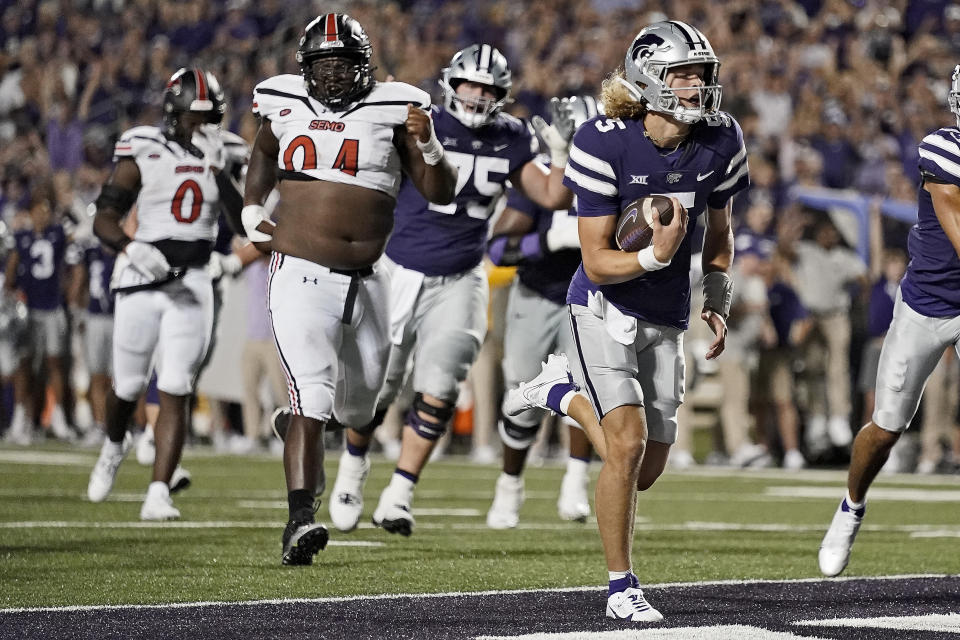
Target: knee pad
[
  {"x": 368, "y": 428},
  {"x": 425, "y": 429},
  {"x": 517, "y": 436}
]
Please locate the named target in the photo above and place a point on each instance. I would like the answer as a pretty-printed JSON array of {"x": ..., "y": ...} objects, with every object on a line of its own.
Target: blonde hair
[{"x": 617, "y": 101}]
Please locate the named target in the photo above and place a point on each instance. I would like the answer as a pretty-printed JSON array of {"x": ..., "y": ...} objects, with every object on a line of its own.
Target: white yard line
[{"x": 424, "y": 596}]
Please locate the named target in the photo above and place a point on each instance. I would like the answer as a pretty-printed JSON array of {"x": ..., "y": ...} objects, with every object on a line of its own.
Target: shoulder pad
[
  {"x": 278, "y": 92},
  {"x": 139, "y": 141},
  {"x": 399, "y": 91},
  {"x": 938, "y": 153}
]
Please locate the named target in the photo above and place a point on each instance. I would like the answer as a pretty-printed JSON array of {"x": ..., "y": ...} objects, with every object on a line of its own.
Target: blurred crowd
[{"x": 831, "y": 94}]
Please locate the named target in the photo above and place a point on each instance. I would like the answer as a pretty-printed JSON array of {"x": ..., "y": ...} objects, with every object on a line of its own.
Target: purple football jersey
[
  {"x": 40, "y": 267},
  {"x": 99, "y": 265},
  {"x": 440, "y": 240},
  {"x": 550, "y": 275},
  {"x": 613, "y": 163},
  {"x": 931, "y": 285}
]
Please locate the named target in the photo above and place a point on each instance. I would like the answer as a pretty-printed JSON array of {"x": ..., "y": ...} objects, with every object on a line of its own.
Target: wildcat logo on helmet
[{"x": 648, "y": 45}]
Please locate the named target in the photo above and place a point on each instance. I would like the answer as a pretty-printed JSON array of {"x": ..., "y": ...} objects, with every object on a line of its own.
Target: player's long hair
[{"x": 617, "y": 101}]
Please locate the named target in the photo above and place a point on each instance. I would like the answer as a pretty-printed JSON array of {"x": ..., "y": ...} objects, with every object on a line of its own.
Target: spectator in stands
[{"x": 824, "y": 267}]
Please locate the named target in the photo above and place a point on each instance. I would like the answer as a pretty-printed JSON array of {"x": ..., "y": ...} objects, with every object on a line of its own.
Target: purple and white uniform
[
  {"x": 536, "y": 317},
  {"x": 629, "y": 335},
  {"x": 926, "y": 314},
  {"x": 40, "y": 267},
  {"x": 98, "y": 330},
  {"x": 439, "y": 289}
]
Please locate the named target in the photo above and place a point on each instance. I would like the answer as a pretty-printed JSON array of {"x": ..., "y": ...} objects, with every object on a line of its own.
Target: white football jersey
[
  {"x": 178, "y": 197},
  {"x": 353, "y": 146}
]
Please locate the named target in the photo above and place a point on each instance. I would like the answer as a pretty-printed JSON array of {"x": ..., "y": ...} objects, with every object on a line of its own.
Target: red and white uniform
[
  {"x": 178, "y": 200},
  {"x": 332, "y": 328}
]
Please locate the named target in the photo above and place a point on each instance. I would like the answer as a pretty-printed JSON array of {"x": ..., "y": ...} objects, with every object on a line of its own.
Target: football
[{"x": 635, "y": 225}]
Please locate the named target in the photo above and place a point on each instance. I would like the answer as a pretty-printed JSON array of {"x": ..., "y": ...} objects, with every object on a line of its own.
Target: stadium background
[{"x": 831, "y": 94}]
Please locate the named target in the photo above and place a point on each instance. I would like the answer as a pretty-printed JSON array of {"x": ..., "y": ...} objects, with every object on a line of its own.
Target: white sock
[
  {"x": 158, "y": 488},
  {"x": 576, "y": 466},
  {"x": 111, "y": 448},
  {"x": 399, "y": 483},
  {"x": 854, "y": 505},
  {"x": 619, "y": 575},
  {"x": 566, "y": 400}
]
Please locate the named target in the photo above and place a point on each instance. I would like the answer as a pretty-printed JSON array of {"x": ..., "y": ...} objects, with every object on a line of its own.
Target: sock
[
  {"x": 300, "y": 502},
  {"x": 557, "y": 394},
  {"x": 357, "y": 451},
  {"x": 158, "y": 488},
  {"x": 566, "y": 400},
  {"x": 404, "y": 478},
  {"x": 577, "y": 466},
  {"x": 112, "y": 448},
  {"x": 856, "y": 506},
  {"x": 620, "y": 581}
]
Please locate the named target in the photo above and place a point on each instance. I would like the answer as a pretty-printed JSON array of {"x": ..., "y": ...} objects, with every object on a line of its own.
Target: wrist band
[
  {"x": 432, "y": 150},
  {"x": 649, "y": 261}
]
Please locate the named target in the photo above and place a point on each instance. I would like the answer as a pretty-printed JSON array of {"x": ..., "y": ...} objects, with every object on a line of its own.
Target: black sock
[{"x": 300, "y": 502}]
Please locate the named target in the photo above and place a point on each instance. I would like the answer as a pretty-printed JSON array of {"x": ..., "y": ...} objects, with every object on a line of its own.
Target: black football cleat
[{"x": 302, "y": 541}]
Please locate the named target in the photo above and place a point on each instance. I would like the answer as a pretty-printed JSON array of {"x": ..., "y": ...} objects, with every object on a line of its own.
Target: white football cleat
[
  {"x": 838, "y": 430},
  {"x": 180, "y": 480},
  {"x": 20, "y": 430},
  {"x": 105, "y": 470},
  {"x": 158, "y": 505},
  {"x": 504, "y": 513},
  {"x": 146, "y": 449},
  {"x": 573, "y": 503},
  {"x": 630, "y": 604},
  {"x": 393, "y": 512},
  {"x": 535, "y": 393},
  {"x": 793, "y": 460},
  {"x": 346, "y": 498},
  {"x": 59, "y": 427},
  {"x": 838, "y": 541}
]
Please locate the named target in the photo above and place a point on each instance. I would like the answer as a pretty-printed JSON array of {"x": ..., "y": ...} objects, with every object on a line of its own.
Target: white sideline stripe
[
  {"x": 642, "y": 524},
  {"x": 282, "y": 504},
  {"x": 456, "y": 594},
  {"x": 876, "y": 493},
  {"x": 930, "y": 622},
  {"x": 46, "y": 458},
  {"x": 718, "y": 632}
]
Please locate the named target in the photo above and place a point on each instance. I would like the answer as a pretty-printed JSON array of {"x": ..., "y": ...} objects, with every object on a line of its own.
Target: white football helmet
[
  {"x": 477, "y": 63},
  {"x": 953, "y": 98},
  {"x": 659, "y": 48}
]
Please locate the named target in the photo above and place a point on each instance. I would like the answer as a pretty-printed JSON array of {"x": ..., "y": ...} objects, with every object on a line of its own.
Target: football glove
[
  {"x": 251, "y": 216},
  {"x": 148, "y": 260},
  {"x": 558, "y": 134}
]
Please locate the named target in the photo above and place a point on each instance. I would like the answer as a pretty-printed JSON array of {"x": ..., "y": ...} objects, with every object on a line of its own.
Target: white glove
[
  {"x": 231, "y": 264},
  {"x": 563, "y": 236},
  {"x": 558, "y": 134},
  {"x": 251, "y": 216},
  {"x": 214, "y": 266},
  {"x": 148, "y": 260}
]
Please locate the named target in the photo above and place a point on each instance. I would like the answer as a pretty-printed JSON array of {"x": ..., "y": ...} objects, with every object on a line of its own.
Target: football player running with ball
[
  {"x": 338, "y": 142},
  {"x": 663, "y": 133},
  {"x": 926, "y": 321},
  {"x": 439, "y": 289}
]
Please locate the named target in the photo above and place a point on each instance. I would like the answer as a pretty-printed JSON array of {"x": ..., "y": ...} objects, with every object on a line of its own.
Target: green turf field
[{"x": 58, "y": 549}]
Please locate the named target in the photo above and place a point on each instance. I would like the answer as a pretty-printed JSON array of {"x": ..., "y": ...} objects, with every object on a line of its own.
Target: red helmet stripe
[
  {"x": 201, "y": 83},
  {"x": 331, "y": 29}
]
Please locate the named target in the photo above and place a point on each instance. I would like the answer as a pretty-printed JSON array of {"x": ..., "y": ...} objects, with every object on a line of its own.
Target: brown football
[{"x": 635, "y": 225}]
